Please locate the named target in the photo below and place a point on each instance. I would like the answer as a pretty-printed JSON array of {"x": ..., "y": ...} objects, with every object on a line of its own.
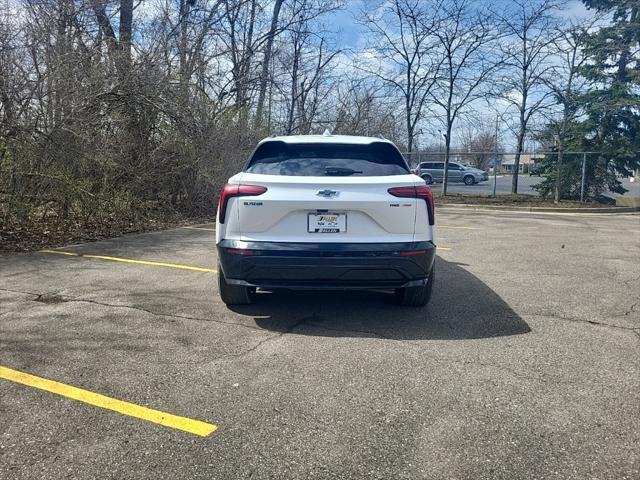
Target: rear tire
[
  {"x": 232, "y": 294},
  {"x": 469, "y": 180},
  {"x": 428, "y": 179},
  {"x": 416, "y": 296}
]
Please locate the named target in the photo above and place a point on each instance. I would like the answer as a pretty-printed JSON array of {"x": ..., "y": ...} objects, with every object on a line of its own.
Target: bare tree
[
  {"x": 364, "y": 109},
  {"x": 305, "y": 59},
  {"x": 406, "y": 59},
  {"x": 120, "y": 46},
  {"x": 478, "y": 139},
  {"x": 529, "y": 26},
  {"x": 188, "y": 35},
  {"x": 179, "y": 41},
  {"x": 566, "y": 84},
  {"x": 240, "y": 23},
  {"x": 14, "y": 91},
  {"x": 466, "y": 37},
  {"x": 266, "y": 61}
]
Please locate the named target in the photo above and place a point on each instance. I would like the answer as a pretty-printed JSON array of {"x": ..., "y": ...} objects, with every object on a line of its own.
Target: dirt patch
[{"x": 40, "y": 233}]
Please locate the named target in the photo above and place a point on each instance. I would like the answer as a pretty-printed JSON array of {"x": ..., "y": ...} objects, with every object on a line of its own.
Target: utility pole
[
  {"x": 495, "y": 161},
  {"x": 445, "y": 173}
]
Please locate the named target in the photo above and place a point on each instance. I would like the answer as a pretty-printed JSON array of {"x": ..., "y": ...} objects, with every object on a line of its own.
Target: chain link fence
[{"x": 583, "y": 175}]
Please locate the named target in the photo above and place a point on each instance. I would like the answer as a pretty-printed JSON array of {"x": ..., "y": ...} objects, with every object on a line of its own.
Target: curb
[{"x": 489, "y": 208}]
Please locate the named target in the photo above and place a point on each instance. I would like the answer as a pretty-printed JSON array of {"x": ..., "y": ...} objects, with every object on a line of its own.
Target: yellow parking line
[
  {"x": 201, "y": 228},
  {"x": 441, "y": 247},
  {"x": 59, "y": 252},
  {"x": 457, "y": 227},
  {"x": 130, "y": 260},
  {"x": 195, "y": 427}
]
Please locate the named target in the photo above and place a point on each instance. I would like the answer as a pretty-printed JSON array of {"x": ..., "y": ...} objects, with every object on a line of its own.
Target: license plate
[{"x": 327, "y": 222}]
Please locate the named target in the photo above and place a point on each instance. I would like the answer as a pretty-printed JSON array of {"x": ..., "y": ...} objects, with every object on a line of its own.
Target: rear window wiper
[{"x": 340, "y": 171}]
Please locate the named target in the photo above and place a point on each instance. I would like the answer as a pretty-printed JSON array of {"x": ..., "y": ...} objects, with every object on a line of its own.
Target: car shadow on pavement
[{"x": 462, "y": 307}]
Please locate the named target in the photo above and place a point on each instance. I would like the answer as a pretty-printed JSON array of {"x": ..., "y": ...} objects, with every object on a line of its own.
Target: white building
[{"x": 526, "y": 160}]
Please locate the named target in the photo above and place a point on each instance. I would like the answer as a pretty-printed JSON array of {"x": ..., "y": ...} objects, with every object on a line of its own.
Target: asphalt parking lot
[{"x": 525, "y": 365}]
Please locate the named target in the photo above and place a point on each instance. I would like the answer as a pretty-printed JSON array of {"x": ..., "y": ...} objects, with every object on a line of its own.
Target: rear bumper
[{"x": 326, "y": 265}]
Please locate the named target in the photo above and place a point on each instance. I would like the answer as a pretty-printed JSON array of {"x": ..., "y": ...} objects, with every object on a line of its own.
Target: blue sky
[
  {"x": 350, "y": 31},
  {"x": 344, "y": 21}
]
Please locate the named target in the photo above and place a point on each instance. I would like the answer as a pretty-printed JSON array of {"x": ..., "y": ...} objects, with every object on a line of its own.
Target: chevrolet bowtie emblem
[{"x": 328, "y": 193}]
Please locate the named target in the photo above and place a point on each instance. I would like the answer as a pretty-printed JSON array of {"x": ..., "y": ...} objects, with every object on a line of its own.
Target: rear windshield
[{"x": 326, "y": 160}]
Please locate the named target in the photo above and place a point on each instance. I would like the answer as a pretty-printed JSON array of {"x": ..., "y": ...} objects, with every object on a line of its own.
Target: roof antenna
[{"x": 327, "y": 133}]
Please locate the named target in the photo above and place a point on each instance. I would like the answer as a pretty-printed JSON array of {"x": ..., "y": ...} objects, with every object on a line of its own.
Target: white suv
[{"x": 326, "y": 212}]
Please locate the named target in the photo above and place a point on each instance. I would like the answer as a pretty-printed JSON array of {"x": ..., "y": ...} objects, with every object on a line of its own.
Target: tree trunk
[
  {"x": 294, "y": 89},
  {"x": 125, "y": 32},
  {"x": 516, "y": 163},
  {"x": 182, "y": 50},
  {"x": 556, "y": 198},
  {"x": 409, "y": 126},
  {"x": 105, "y": 26},
  {"x": 247, "y": 57},
  {"x": 447, "y": 138},
  {"x": 447, "y": 148},
  {"x": 264, "y": 75},
  {"x": 119, "y": 49}
]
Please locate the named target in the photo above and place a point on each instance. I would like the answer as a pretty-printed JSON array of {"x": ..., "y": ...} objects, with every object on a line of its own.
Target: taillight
[
  {"x": 404, "y": 192},
  {"x": 421, "y": 191},
  {"x": 231, "y": 190}
]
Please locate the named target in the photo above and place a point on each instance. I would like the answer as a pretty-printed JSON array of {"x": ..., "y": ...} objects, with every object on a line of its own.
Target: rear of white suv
[{"x": 326, "y": 212}]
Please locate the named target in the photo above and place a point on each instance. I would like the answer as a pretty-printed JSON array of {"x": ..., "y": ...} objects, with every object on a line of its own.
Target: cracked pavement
[{"x": 525, "y": 365}]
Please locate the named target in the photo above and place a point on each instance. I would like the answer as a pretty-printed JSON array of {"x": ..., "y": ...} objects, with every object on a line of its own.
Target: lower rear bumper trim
[{"x": 326, "y": 266}]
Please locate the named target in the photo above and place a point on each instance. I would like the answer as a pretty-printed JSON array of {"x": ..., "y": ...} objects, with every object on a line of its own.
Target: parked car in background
[
  {"x": 536, "y": 170},
  {"x": 434, "y": 172}
]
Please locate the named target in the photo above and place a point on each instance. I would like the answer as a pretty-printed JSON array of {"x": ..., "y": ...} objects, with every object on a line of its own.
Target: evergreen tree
[
  {"x": 608, "y": 113},
  {"x": 612, "y": 105}
]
